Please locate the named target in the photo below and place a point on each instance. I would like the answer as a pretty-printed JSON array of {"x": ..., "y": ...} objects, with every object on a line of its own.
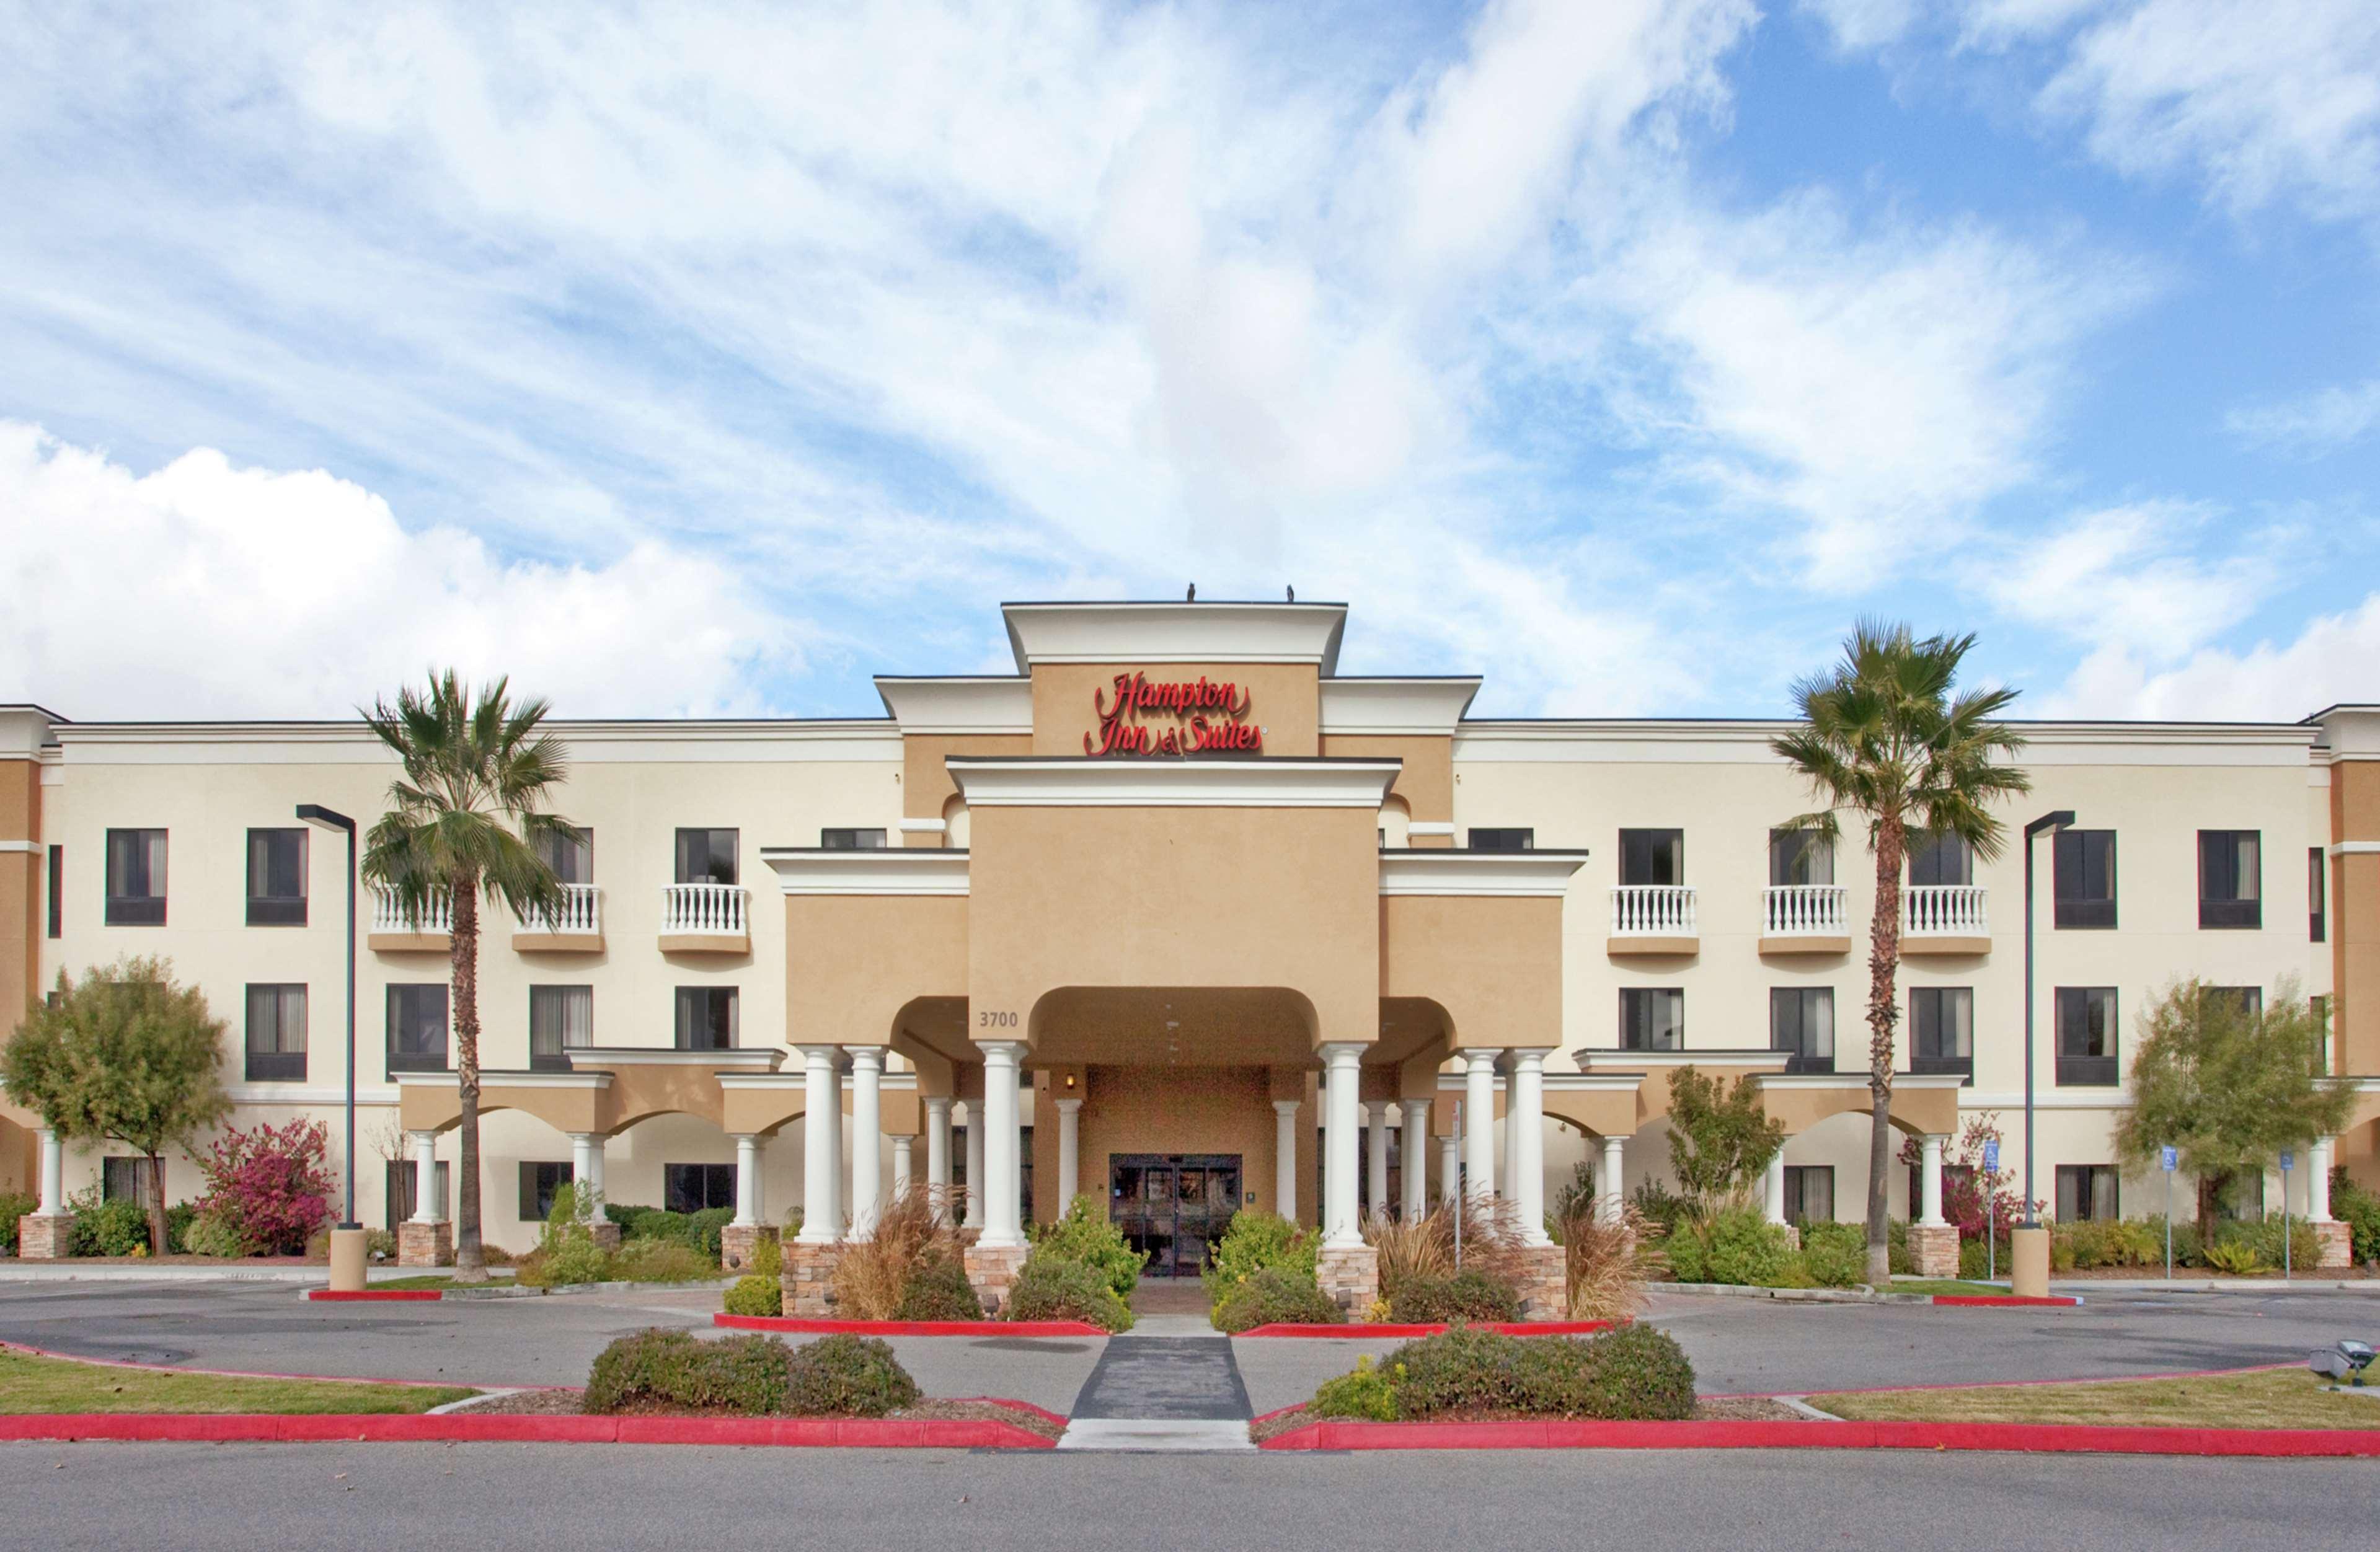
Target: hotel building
[{"x": 1179, "y": 915}]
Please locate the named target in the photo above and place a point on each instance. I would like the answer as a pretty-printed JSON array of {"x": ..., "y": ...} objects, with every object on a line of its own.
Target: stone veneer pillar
[
  {"x": 2337, "y": 1239},
  {"x": 44, "y": 1234},
  {"x": 425, "y": 1239},
  {"x": 1933, "y": 1242}
]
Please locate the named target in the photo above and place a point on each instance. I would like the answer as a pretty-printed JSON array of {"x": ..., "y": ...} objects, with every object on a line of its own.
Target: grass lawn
[
  {"x": 2291, "y": 1397},
  {"x": 1934, "y": 1285},
  {"x": 30, "y": 1384},
  {"x": 436, "y": 1279}
]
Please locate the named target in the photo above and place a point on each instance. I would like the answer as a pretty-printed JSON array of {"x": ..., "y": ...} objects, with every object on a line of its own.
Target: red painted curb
[
  {"x": 1502, "y": 1327},
  {"x": 1986, "y": 1301},
  {"x": 868, "y": 1432},
  {"x": 392, "y": 1295},
  {"x": 910, "y": 1328},
  {"x": 2002, "y": 1436}
]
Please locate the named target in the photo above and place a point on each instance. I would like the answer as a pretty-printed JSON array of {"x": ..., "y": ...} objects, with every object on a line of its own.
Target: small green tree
[
  {"x": 123, "y": 1055},
  {"x": 2228, "y": 1085},
  {"x": 1723, "y": 1140}
]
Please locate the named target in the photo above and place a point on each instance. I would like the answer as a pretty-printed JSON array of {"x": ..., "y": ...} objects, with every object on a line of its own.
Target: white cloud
[
  {"x": 2319, "y": 422},
  {"x": 205, "y": 590},
  {"x": 2122, "y": 581},
  {"x": 2330, "y": 663},
  {"x": 1863, "y": 24}
]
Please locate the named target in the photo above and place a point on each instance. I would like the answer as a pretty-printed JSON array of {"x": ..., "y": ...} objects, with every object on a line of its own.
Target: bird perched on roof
[
  {"x": 1192, "y": 596},
  {"x": 1292, "y": 595}
]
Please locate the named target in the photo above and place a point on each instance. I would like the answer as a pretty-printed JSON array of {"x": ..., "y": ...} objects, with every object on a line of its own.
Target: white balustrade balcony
[
  {"x": 580, "y": 916},
  {"x": 1944, "y": 911},
  {"x": 1653, "y": 914},
  {"x": 1803, "y": 911},
  {"x": 388, "y": 917},
  {"x": 699, "y": 917}
]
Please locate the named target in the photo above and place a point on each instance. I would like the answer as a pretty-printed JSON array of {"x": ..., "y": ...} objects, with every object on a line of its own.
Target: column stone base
[
  {"x": 1350, "y": 1276},
  {"x": 44, "y": 1238},
  {"x": 2338, "y": 1241},
  {"x": 606, "y": 1234},
  {"x": 992, "y": 1270},
  {"x": 1544, "y": 1283},
  {"x": 806, "y": 1278},
  {"x": 1934, "y": 1250},
  {"x": 740, "y": 1243},
  {"x": 425, "y": 1244}
]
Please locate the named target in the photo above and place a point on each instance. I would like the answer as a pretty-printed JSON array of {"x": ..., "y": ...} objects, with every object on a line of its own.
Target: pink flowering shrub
[
  {"x": 1972, "y": 1193},
  {"x": 270, "y": 1187}
]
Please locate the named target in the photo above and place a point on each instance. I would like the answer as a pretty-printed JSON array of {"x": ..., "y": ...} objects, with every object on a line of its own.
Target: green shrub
[
  {"x": 1470, "y": 1295},
  {"x": 768, "y": 1258},
  {"x": 104, "y": 1228},
  {"x": 575, "y": 1259},
  {"x": 1052, "y": 1288},
  {"x": 698, "y": 1230},
  {"x": 624, "y": 1214},
  {"x": 847, "y": 1376},
  {"x": 1087, "y": 1235},
  {"x": 1896, "y": 1248},
  {"x": 1835, "y": 1254},
  {"x": 2186, "y": 1248},
  {"x": 1636, "y": 1372},
  {"x": 658, "y": 1261},
  {"x": 215, "y": 1234},
  {"x": 1976, "y": 1260},
  {"x": 14, "y": 1204},
  {"x": 755, "y": 1295},
  {"x": 939, "y": 1289},
  {"x": 1252, "y": 1242},
  {"x": 2360, "y": 1210},
  {"x": 1277, "y": 1295},
  {"x": 179, "y": 1218},
  {"x": 2265, "y": 1239},
  {"x": 752, "y": 1375},
  {"x": 380, "y": 1243},
  {"x": 1368, "y": 1393},
  {"x": 2236, "y": 1257},
  {"x": 1662, "y": 1205},
  {"x": 1734, "y": 1245}
]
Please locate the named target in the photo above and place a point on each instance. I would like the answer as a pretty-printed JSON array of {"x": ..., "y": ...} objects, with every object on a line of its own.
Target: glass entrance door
[{"x": 1173, "y": 1207}]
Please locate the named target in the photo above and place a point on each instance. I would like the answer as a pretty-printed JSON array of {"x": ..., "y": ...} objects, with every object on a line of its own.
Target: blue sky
[{"x": 711, "y": 358}]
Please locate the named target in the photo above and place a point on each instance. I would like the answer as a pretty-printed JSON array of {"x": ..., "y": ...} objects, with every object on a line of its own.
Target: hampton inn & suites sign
[{"x": 1195, "y": 717}]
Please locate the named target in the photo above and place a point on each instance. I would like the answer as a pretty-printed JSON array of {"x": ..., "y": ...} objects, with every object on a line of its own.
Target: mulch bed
[
  {"x": 1733, "y": 1408},
  {"x": 563, "y": 1402}
]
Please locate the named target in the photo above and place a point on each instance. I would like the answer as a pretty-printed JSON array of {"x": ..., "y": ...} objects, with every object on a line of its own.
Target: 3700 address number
[{"x": 987, "y": 1019}]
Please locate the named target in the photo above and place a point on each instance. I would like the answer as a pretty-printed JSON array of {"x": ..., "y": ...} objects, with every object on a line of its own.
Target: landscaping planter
[
  {"x": 908, "y": 1328},
  {"x": 1554, "y": 1434},
  {"x": 868, "y": 1432},
  {"x": 1501, "y": 1328}
]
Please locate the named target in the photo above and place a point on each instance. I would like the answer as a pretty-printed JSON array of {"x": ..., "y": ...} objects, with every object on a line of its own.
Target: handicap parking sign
[
  {"x": 2170, "y": 1156},
  {"x": 1992, "y": 1155},
  {"x": 2289, "y": 1160}
]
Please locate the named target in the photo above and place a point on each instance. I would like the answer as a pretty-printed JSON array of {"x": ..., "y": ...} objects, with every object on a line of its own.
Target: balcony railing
[
  {"x": 1803, "y": 911},
  {"x": 581, "y": 912},
  {"x": 691, "y": 909},
  {"x": 1653, "y": 911},
  {"x": 389, "y": 913},
  {"x": 1944, "y": 911}
]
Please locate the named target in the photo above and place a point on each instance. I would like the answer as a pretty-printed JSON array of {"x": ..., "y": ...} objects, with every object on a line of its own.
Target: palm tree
[
  {"x": 1884, "y": 735},
  {"x": 467, "y": 822}
]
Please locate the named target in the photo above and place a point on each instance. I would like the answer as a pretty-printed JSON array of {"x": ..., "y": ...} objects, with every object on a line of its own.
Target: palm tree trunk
[
  {"x": 470, "y": 1263},
  {"x": 1883, "y": 1014}
]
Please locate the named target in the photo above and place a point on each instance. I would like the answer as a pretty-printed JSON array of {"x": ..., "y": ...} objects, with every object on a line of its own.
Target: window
[
  {"x": 136, "y": 878},
  {"x": 1652, "y": 857},
  {"x": 2248, "y": 1001},
  {"x": 2320, "y": 1006},
  {"x": 690, "y": 1188},
  {"x": 1940, "y": 859},
  {"x": 1809, "y": 1194},
  {"x": 1942, "y": 1030},
  {"x": 57, "y": 890},
  {"x": 2084, "y": 863},
  {"x": 1802, "y": 1020},
  {"x": 1800, "y": 856},
  {"x": 1507, "y": 840},
  {"x": 539, "y": 1182},
  {"x": 2241, "y": 1198},
  {"x": 127, "y": 1178},
  {"x": 2086, "y": 1192},
  {"x": 706, "y": 1018},
  {"x": 398, "y": 1197},
  {"x": 1024, "y": 1172},
  {"x": 571, "y": 854},
  {"x": 276, "y": 1034},
  {"x": 1652, "y": 1018},
  {"x": 416, "y": 1027},
  {"x": 2317, "y": 897},
  {"x": 706, "y": 857},
  {"x": 560, "y": 1019},
  {"x": 2086, "y": 1037},
  {"x": 2230, "y": 879},
  {"x": 276, "y": 878},
  {"x": 852, "y": 840}
]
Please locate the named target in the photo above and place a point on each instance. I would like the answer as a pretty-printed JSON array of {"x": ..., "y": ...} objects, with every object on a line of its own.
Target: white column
[
  {"x": 595, "y": 1165},
  {"x": 2318, "y": 1181},
  {"x": 1003, "y": 1179},
  {"x": 1507, "y": 1168},
  {"x": 867, "y": 1139},
  {"x": 1479, "y": 1120},
  {"x": 1527, "y": 1121},
  {"x": 747, "y": 1180},
  {"x": 900, "y": 1166},
  {"x": 1929, "y": 1180},
  {"x": 822, "y": 1143},
  {"x": 1772, "y": 1188},
  {"x": 54, "y": 1176},
  {"x": 1417, "y": 1159},
  {"x": 1376, "y": 1162},
  {"x": 427, "y": 1207},
  {"x": 1614, "y": 1189},
  {"x": 938, "y": 1141},
  {"x": 1284, "y": 1158},
  {"x": 1341, "y": 1070},
  {"x": 582, "y": 1165},
  {"x": 975, "y": 1186},
  {"x": 1450, "y": 1167},
  {"x": 1070, "y": 1164}
]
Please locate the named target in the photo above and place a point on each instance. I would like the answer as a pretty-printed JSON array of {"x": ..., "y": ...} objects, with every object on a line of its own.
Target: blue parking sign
[
  {"x": 2170, "y": 1157},
  {"x": 1992, "y": 1155},
  {"x": 2289, "y": 1160}
]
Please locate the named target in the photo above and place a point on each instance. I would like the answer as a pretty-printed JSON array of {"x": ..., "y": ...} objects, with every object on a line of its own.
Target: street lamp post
[
  {"x": 2029, "y": 1245},
  {"x": 347, "y": 1239}
]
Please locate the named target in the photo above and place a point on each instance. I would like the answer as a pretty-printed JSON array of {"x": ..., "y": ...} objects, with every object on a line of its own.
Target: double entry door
[{"x": 1173, "y": 1207}]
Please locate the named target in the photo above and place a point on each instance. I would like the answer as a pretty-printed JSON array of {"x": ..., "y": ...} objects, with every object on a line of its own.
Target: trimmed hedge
[
  {"x": 1835, "y": 1254},
  {"x": 1734, "y": 1245},
  {"x": 755, "y": 1295},
  {"x": 754, "y": 1375},
  {"x": 939, "y": 1291},
  {"x": 1470, "y": 1295},
  {"x": 1634, "y": 1374},
  {"x": 1086, "y": 1235},
  {"x": 1252, "y": 1242},
  {"x": 1275, "y": 1295},
  {"x": 1052, "y": 1288}
]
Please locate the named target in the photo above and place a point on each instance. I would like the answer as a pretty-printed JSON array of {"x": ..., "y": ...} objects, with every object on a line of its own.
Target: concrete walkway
[{"x": 1163, "y": 1392}]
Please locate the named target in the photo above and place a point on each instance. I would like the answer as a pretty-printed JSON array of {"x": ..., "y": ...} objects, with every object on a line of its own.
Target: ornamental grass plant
[
  {"x": 1606, "y": 1266},
  {"x": 873, "y": 1275}
]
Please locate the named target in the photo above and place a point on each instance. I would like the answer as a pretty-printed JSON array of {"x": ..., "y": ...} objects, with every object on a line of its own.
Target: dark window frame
[
  {"x": 2085, "y": 1068},
  {"x": 2219, "y": 867},
  {"x": 57, "y": 891},
  {"x": 2074, "y": 872},
  {"x": 2318, "y": 895},
  {"x": 137, "y": 910},
  {"x": 539, "y": 1179},
  {"x": 275, "y": 1061},
  {"x": 1798, "y": 1178},
  {"x": 1642, "y": 853},
  {"x": 1805, "y": 848},
  {"x": 2077, "y": 1195},
  {"x": 571, "y": 855},
  {"x": 1636, "y": 1029},
  {"x": 1924, "y": 1030},
  {"x": 144, "y": 1186},
  {"x": 419, "y": 1061},
  {"x": 266, "y": 909},
  {"x": 678, "y": 1199},
  {"x": 1929, "y": 857},
  {"x": 684, "y": 1021},
  {"x": 853, "y": 838},
  {"x": 1499, "y": 838},
  {"x": 556, "y": 1060},
  {"x": 1800, "y": 999},
  {"x": 684, "y": 857}
]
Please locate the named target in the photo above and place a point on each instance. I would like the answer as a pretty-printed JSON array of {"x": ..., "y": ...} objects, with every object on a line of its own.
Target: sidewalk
[{"x": 14, "y": 1270}]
